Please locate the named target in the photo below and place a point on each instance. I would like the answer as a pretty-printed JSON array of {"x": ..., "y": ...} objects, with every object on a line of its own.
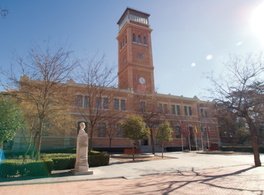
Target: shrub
[
  {"x": 67, "y": 161},
  {"x": 61, "y": 163},
  {"x": 241, "y": 148},
  {"x": 98, "y": 160},
  {"x": 10, "y": 168}
]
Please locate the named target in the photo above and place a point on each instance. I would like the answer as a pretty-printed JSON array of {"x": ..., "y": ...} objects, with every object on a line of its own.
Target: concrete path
[{"x": 188, "y": 173}]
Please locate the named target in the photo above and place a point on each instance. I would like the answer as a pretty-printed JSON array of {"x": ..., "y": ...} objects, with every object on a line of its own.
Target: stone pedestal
[{"x": 81, "y": 164}]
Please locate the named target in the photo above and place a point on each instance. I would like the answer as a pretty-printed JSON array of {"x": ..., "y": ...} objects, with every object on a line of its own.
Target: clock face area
[{"x": 142, "y": 80}]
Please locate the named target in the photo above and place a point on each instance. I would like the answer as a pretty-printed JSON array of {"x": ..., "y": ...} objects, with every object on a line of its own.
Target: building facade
[{"x": 135, "y": 94}]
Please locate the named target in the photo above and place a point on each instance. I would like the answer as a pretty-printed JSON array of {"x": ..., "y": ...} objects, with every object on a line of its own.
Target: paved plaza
[{"x": 187, "y": 173}]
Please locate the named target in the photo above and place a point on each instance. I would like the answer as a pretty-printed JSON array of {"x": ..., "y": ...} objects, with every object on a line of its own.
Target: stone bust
[{"x": 82, "y": 126}]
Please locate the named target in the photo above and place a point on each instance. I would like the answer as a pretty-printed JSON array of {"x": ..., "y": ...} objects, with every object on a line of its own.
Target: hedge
[
  {"x": 240, "y": 148},
  {"x": 49, "y": 162},
  {"x": 67, "y": 161},
  {"x": 98, "y": 160},
  {"x": 11, "y": 168}
]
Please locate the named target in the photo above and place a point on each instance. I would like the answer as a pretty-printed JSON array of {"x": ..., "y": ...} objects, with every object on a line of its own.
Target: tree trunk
[
  {"x": 90, "y": 141},
  {"x": 254, "y": 140},
  {"x": 133, "y": 150},
  {"x": 110, "y": 143},
  {"x": 39, "y": 138},
  {"x": 152, "y": 142},
  {"x": 34, "y": 146},
  {"x": 1, "y": 146},
  {"x": 162, "y": 149},
  {"x": 29, "y": 144}
]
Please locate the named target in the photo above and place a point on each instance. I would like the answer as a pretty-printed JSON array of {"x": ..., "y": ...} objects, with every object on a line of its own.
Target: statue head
[{"x": 82, "y": 125}]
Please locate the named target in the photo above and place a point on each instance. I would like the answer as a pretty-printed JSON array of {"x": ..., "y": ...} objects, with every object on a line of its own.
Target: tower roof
[{"x": 134, "y": 11}]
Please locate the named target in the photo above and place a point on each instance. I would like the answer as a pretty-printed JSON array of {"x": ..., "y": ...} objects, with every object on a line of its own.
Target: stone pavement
[{"x": 188, "y": 173}]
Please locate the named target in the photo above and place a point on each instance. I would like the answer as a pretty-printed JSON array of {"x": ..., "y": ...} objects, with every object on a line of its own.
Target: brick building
[{"x": 135, "y": 95}]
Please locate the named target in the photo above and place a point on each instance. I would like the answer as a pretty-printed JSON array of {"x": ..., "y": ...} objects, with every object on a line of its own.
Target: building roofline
[{"x": 134, "y": 10}]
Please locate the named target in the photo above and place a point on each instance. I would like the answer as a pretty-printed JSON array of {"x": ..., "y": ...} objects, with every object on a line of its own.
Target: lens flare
[
  {"x": 209, "y": 57},
  {"x": 257, "y": 22},
  {"x": 239, "y": 43},
  {"x": 193, "y": 64}
]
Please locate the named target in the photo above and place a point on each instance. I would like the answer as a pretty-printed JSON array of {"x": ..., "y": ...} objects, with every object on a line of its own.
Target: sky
[{"x": 190, "y": 38}]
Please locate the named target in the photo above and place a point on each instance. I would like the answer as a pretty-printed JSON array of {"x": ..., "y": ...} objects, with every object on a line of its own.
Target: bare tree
[
  {"x": 239, "y": 91},
  {"x": 151, "y": 112},
  {"x": 44, "y": 72},
  {"x": 4, "y": 13},
  {"x": 99, "y": 81}
]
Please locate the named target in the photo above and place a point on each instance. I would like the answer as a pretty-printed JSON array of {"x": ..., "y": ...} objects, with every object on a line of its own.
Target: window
[
  {"x": 140, "y": 56},
  {"x": 101, "y": 130},
  {"x": 124, "y": 59},
  {"x": 190, "y": 111},
  {"x": 205, "y": 113},
  {"x": 173, "y": 109},
  {"x": 202, "y": 112},
  {"x": 116, "y": 104},
  {"x": 126, "y": 40},
  {"x": 165, "y": 108},
  {"x": 142, "y": 106},
  {"x": 139, "y": 39},
  {"x": 120, "y": 45},
  {"x": 145, "y": 41},
  {"x": 134, "y": 38},
  {"x": 185, "y": 110},
  {"x": 79, "y": 101},
  {"x": 86, "y": 102},
  {"x": 191, "y": 131},
  {"x": 122, "y": 104},
  {"x": 178, "y": 109},
  {"x": 105, "y": 103},
  {"x": 160, "y": 107},
  {"x": 98, "y": 102},
  {"x": 205, "y": 131},
  {"x": 123, "y": 42},
  {"x": 177, "y": 131},
  {"x": 119, "y": 131}
]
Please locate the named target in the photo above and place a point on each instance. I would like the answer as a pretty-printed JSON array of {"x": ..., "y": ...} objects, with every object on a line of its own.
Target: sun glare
[{"x": 257, "y": 22}]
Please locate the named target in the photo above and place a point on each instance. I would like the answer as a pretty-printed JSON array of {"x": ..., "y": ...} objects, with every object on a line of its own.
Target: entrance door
[{"x": 144, "y": 142}]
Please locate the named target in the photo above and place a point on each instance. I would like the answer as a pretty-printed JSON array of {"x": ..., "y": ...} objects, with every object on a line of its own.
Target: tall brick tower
[{"x": 135, "y": 63}]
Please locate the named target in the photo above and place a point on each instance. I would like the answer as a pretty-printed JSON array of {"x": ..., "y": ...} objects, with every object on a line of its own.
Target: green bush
[
  {"x": 241, "y": 148},
  {"x": 98, "y": 160},
  {"x": 8, "y": 168},
  {"x": 67, "y": 161},
  {"x": 61, "y": 163},
  {"x": 11, "y": 168}
]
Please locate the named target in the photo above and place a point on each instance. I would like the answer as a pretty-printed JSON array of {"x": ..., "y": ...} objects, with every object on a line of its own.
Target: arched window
[
  {"x": 139, "y": 39},
  {"x": 101, "y": 130},
  {"x": 145, "y": 41},
  {"x": 134, "y": 38},
  {"x": 119, "y": 131},
  {"x": 177, "y": 131}
]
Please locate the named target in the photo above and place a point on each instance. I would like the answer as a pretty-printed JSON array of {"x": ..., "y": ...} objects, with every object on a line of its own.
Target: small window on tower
[
  {"x": 123, "y": 42},
  {"x": 139, "y": 39},
  {"x": 140, "y": 56},
  {"x": 134, "y": 38},
  {"x": 124, "y": 59},
  {"x": 145, "y": 41},
  {"x": 120, "y": 45},
  {"x": 126, "y": 40}
]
